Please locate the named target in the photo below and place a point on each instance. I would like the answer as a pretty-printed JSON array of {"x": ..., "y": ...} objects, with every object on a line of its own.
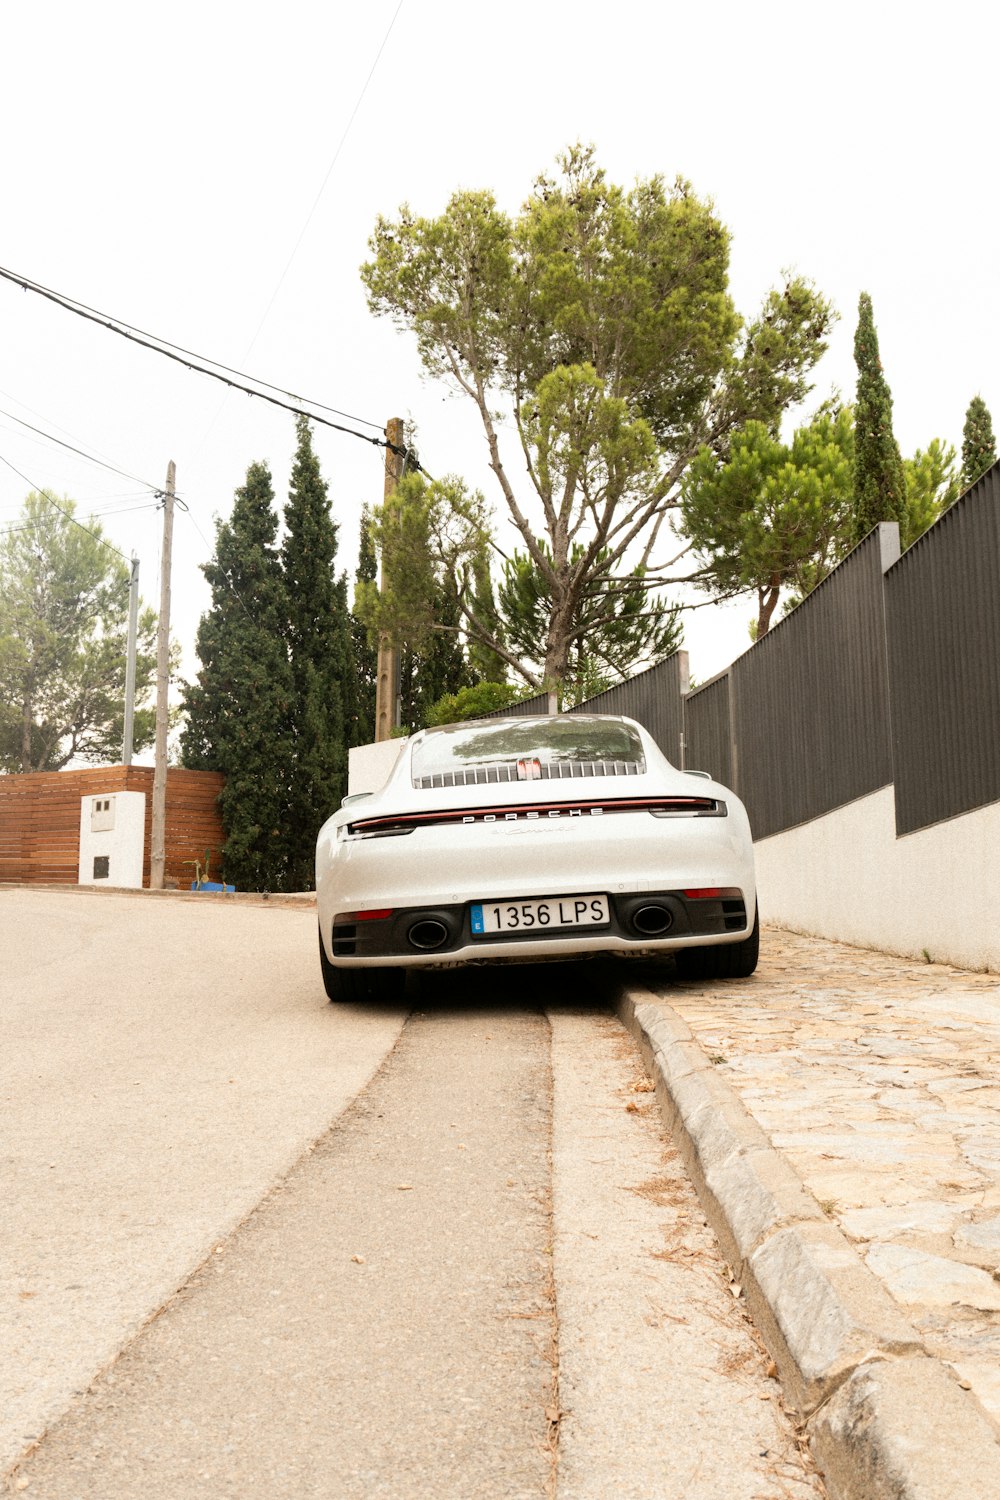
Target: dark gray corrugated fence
[
  {"x": 539, "y": 704},
  {"x": 943, "y": 613},
  {"x": 655, "y": 698},
  {"x": 888, "y": 671},
  {"x": 810, "y": 698},
  {"x": 708, "y": 730}
]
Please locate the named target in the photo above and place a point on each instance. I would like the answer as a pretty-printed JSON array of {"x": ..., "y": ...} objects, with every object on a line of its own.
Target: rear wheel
[
  {"x": 721, "y": 960},
  {"x": 359, "y": 984}
]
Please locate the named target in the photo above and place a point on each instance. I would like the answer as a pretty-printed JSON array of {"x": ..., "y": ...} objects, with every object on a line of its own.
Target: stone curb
[
  {"x": 886, "y": 1421},
  {"x": 239, "y": 898}
]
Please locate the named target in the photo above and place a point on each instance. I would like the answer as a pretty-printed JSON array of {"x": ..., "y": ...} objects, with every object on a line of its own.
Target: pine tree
[
  {"x": 239, "y": 708},
  {"x": 319, "y": 646},
  {"x": 979, "y": 449},
  {"x": 365, "y": 654},
  {"x": 434, "y": 667},
  {"x": 879, "y": 480}
]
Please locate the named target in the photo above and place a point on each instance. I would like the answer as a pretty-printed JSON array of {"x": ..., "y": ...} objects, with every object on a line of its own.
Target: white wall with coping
[
  {"x": 847, "y": 876},
  {"x": 369, "y": 766},
  {"x": 115, "y": 831}
]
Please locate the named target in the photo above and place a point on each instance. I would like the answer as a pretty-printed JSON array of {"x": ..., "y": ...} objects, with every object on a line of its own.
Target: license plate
[{"x": 539, "y": 916}]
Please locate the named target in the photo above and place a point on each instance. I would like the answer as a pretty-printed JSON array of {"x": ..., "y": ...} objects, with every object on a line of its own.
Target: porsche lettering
[{"x": 534, "y": 814}]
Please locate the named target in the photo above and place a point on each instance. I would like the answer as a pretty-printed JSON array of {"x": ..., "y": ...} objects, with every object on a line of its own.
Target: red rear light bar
[{"x": 536, "y": 810}]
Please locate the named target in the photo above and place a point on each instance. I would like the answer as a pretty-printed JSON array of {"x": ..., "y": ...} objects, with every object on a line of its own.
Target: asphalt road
[
  {"x": 163, "y": 1063},
  {"x": 451, "y": 1259}
]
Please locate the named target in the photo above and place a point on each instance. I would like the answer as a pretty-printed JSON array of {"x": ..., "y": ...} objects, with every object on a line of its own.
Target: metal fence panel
[
  {"x": 810, "y": 698},
  {"x": 655, "y": 699},
  {"x": 523, "y": 710},
  {"x": 943, "y": 613},
  {"x": 708, "y": 730}
]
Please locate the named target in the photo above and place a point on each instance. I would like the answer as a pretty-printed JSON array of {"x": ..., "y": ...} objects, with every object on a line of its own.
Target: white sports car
[{"x": 533, "y": 838}]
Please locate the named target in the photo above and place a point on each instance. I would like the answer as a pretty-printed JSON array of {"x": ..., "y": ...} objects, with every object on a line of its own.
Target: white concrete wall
[
  {"x": 369, "y": 766},
  {"x": 847, "y": 876},
  {"x": 117, "y": 833}
]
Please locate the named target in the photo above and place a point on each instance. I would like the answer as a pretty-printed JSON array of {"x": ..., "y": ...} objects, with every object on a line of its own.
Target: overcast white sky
[{"x": 160, "y": 163}]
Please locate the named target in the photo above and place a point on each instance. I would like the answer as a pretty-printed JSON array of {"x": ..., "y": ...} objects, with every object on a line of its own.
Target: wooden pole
[
  {"x": 387, "y": 676},
  {"x": 157, "y": 857}
]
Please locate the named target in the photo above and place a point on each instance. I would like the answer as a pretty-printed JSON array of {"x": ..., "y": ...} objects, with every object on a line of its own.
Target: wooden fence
[{"x": 40, "y": 821}]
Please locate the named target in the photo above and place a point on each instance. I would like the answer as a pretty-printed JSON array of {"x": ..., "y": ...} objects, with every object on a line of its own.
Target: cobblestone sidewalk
[{"x": 879, "y": 1079}]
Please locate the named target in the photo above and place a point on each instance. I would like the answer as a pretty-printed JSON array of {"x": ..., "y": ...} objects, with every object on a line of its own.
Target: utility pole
[
  {"x": 158, "y": 851},
  {"x": 387, "y": 676},
  {"x": 133, "y": 619}
]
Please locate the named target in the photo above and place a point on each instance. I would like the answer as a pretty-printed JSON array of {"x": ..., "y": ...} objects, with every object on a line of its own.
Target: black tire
[
  {"x": 721, "y": 960},
  {"x": 359, "y": 984}
]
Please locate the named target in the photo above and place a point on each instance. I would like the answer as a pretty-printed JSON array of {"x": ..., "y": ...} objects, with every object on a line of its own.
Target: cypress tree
[
  {"x": 319, "y": 646},
  {"x": 879, "y": 480},
  {"x": 485, "y": 665},
  {"x": 979, "y": 449},
  {"x": 238, "y": 709},
  {"x": 365, "y": 654}
]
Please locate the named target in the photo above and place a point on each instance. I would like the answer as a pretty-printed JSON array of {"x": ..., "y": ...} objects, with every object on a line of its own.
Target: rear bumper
[{"x": 398, "y": 937}]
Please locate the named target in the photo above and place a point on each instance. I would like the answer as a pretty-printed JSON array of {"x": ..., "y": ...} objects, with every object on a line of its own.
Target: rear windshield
[{"x": 594, "y": 745}]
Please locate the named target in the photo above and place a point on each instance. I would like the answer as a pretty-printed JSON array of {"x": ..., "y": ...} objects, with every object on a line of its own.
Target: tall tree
[
  {"x": 436, "y": 665},
  {"x": 365, "y": 652},
  {"x": 63, "y": 628},
  {"x": 599, "y": 322},
  {"x": 419, "y": 604},
  {"x": 772, "y": 516},
  {"x": 979, "y": 449},
  {"x": 624, "y": 630},
  {"x": 932, "y": 484},
  {"x": 485, "y": 664},
  {"x": 239, "y": 710},
  {"x": 319, "y": 647},
  {"x": 879, "y": 479}
]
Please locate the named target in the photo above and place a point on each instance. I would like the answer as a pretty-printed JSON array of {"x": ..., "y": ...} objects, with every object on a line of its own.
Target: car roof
[{"x": 489, "y": 719}]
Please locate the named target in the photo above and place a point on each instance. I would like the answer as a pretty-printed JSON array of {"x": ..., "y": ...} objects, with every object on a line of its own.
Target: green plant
[{"x": 201, "y": 878}]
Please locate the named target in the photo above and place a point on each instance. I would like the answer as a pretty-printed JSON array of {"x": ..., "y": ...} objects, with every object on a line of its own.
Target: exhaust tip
[
  {"x": 428, "y": 934},
  {"x": 652, "y": 921}
]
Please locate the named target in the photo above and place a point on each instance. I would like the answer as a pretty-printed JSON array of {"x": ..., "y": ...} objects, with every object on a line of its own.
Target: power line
[
  {"x": 43, "y": 418},
  {"x": 62, "y": 444},
  {"x": 107, "y": 319},
  {"x": 62, "y": 510},
  {"x": 202, "y": 364},
  {"x": 94, "y": 515},
  {"x": 322, "y": 190}
]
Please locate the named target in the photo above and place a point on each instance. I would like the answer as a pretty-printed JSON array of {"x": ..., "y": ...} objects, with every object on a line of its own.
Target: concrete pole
[
  {"x": 387, "y": 675},
  {"x": 133, "y": 620},
  {"x": 157, "y": 858}
]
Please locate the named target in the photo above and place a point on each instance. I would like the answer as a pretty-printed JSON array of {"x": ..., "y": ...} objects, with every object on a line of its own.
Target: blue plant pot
[{"x": 212, "y": 885}]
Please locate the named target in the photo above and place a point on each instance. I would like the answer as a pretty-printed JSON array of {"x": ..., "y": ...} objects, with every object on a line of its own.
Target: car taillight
[
  {"x": 660, "y": 807},
  {"x": 385, "y": 828}
]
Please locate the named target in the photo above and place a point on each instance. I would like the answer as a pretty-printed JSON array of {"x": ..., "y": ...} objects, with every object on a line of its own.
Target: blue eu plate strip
[{"x": 478, "y": 926}]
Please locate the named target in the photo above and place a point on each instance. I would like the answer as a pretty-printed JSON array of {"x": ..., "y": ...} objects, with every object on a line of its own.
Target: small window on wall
[{"x": 102, "y": 866}]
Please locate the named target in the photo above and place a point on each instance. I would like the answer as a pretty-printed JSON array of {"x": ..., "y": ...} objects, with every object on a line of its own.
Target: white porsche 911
[{"x": 533, "y": 838}]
